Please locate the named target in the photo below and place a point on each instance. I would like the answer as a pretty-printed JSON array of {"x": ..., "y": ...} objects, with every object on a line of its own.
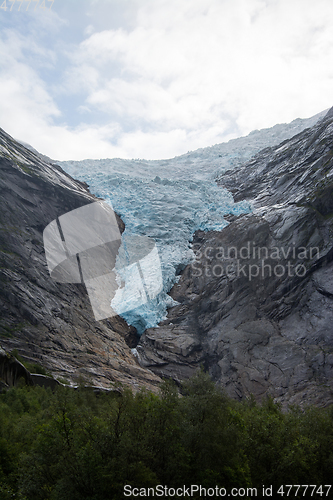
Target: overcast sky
[{"x": 157, "y": 78}]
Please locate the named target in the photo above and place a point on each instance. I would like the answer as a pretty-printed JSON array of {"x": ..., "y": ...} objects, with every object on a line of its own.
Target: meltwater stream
[{"x": 168, "y": 200}]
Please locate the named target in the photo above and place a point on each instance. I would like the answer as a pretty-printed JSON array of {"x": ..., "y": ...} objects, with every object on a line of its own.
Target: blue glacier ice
[{"x": 168, "y": 200}]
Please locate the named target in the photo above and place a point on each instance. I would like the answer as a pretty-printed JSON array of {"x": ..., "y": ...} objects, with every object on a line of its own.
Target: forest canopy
[{"x": 76, "y": 444}]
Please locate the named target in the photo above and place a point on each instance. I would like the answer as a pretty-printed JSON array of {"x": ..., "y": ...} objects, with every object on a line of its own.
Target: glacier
[{"x": 168, "y": 200}]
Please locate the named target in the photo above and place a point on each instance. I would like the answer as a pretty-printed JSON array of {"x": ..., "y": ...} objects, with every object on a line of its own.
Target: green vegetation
[
  {"x": 25, "y": 169},
  {"x": 76, "y": 445},
  {"x": 63, "y": 381},
  {"x": 31, "y": 367},
  {"x": 7, "y": 331}
]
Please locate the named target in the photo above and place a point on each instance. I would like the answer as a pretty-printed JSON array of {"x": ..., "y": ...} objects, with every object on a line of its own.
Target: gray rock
[
  {"x": 263, "y": 325},
  {"x": 47, "y": 322}
]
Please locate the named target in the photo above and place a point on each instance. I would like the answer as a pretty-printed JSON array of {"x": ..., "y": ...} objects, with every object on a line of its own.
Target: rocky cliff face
[
  {"x": 12, "y": 371},
  {"x": 256, "y": 306},
  {"x": 48, "y": 322}
]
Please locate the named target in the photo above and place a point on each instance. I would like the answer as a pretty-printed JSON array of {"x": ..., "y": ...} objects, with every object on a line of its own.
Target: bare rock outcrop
[
  {"x": 256, "y": 306},
  {"x": 47, "y": 322}
]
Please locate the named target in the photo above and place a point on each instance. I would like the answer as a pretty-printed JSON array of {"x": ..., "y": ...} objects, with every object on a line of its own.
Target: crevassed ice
[
  {"x": 168, "y": 200},
  {"x": 167, "y": 210}
]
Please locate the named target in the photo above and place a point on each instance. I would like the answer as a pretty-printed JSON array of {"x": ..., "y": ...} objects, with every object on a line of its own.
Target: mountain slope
[
  {"x": 169, "y": 200},
  {"x": 261, "y": 329},
  {"x": 268, "y": 332},
  {"x": 48, "y": 322}
]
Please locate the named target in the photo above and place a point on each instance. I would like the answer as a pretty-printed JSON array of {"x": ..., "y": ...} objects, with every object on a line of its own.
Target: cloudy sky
[{"x": 157, "y": 78}]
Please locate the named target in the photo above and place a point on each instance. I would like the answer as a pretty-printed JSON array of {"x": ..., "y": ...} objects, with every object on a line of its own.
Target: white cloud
[
  {"x": 188, "y": 65},
  {"x": 27, "y": 110},
  {"x": 23, "y": 93},
  {"x": 178, "y": 76}
]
